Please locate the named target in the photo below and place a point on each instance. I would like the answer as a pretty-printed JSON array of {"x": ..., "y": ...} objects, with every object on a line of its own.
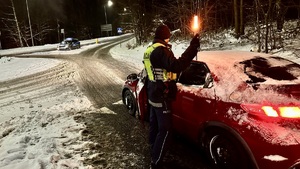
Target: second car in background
[{"x": 69, "y": 44}]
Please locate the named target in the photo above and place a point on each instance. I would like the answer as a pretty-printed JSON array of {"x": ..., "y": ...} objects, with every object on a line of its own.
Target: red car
[{"x": 243, "y": 108}]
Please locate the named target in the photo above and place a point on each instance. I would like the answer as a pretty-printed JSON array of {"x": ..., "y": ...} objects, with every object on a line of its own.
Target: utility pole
[
  {"x": 105, "y": 19},
  {"x": 58, "y": 27},
  {"x": 105, "y": 14},
  {"x": 109, "y": 3},
  {"x": 32, "y": 40},
  {"x": 0, "y": 41},
  {"x": 17, "y": 23}
]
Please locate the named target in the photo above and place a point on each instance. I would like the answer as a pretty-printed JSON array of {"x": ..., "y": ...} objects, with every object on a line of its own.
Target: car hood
[
  {"x": 246, "y": 93},
  {"x": 63, "y": 44},
  {"x": 253, "y": 77}
]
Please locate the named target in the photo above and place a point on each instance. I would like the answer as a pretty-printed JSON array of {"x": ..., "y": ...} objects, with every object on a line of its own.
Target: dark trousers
[{"x": 160, "y": 132}]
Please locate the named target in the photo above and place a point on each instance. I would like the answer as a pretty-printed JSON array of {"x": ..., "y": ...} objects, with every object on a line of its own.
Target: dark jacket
[{"x": 163, "y": 57}]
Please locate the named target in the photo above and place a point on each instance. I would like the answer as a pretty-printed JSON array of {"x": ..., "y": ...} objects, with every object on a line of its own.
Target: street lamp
[{"x": 109, "y": 3}]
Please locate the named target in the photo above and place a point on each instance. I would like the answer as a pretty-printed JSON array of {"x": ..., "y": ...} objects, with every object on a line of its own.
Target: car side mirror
[
  {"x": 132, "y": 77},
  {"x": 143, "y": 76},
  {"x": 208, "y": 81}
]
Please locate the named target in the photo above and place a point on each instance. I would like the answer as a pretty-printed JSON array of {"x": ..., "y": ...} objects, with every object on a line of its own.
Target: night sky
[
  {"x": 83, "y": 18},
  {"x": 79, "y": 18}
]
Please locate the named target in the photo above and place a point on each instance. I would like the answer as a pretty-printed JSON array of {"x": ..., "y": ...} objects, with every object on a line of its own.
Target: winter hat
[{"x": 162, "y": 32}]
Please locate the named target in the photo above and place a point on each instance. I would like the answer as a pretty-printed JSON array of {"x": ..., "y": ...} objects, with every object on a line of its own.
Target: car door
[{"x": 194, "y": 102}]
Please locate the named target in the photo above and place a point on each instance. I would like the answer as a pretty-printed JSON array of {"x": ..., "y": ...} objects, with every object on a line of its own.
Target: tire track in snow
[{"x": 32, "y": 91}]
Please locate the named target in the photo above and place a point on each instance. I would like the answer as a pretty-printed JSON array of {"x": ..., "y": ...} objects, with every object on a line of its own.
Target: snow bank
[
  {"x": 12, "y": 68},
  {"x": 47, "y": 138}
]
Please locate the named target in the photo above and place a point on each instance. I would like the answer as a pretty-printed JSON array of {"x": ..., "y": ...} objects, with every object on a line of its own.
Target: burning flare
[{"x": 195, "y": 24}]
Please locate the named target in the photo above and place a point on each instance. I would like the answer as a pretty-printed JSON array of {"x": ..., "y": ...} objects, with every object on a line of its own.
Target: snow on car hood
[
  {"x": 245, "y": 64},
  {"x": 237, "y": 81}
]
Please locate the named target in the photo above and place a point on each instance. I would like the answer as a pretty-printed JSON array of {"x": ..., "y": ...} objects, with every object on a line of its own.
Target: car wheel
[
  {"x": 224, "y": 150},
  {"x": 130, "y": 102}
]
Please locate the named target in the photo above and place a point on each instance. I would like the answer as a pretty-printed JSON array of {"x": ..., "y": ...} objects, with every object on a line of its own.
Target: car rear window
[{"x": 260, "y": 69}]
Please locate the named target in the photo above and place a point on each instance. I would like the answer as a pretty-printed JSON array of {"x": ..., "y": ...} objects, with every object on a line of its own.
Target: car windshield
[
  {"x": 259, "y": 69},
  {"x": 69, "y": 39},
  {"x": 194, "y": 74}
]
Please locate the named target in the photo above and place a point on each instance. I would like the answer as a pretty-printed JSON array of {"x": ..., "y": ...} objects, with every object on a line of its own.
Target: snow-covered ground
[
  {"x": 25, "y": 142},
  {"x": 36, "y": 133}
]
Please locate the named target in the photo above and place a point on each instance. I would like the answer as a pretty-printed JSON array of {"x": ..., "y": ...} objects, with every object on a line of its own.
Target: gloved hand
[{"x": 195, "y": 42}]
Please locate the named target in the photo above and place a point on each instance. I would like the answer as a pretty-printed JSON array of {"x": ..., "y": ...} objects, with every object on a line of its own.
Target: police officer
[{"x": 162, "y": 68}]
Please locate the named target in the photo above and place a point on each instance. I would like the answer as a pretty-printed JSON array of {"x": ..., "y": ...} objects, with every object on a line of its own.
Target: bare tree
[
  {"x": 236, "y": 18},
  {"x": 181, "y": 12},
  {"x": 42, "y": 30},
  {"x": 298, "y": 9},
  {"x": 12, "y": 25},
  {"x": 279, "y": 15},
  {"x": 238, "y": 8},
  {"x": 17, "y": 23},
  {"x": 177, "y": 14},
  {"x": 267, "y": 25},
  {"x": 138, "y": 22},
  {"x": 242, "y": 25},
  {"x": 265, "y": 10},
  {"x": 207, "y": 13},
  {"x": 141, "y": 16},
  {"x": 257, "y": 4},
  {"x": 29, "y": 21}
]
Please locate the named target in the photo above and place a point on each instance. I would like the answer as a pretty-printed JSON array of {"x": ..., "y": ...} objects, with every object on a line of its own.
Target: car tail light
[{"x": 283, "y": 111}]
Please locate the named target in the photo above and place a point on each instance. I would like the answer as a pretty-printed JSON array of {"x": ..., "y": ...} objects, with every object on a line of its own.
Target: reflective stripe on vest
[{"x": 156, "y": 73}]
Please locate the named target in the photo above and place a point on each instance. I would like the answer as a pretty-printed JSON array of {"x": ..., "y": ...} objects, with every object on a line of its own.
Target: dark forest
[{"x": 39, "y": 22}]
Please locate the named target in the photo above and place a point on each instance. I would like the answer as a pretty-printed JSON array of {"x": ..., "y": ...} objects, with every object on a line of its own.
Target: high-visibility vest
[{"x": 156, "y": 73}]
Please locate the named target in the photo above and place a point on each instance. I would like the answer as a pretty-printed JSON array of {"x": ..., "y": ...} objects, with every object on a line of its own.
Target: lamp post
[
  {"x": 109, "y": 3},
  {"x": 107, "y": 27}
]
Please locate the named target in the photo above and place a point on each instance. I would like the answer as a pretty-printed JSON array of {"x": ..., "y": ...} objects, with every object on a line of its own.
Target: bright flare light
[{"x": 195, "y": 24}]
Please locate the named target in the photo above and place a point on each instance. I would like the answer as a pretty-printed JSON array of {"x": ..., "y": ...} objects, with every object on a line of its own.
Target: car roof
[
  {"x": 70, "y": 39},
  {"x": 251, "y": 66},
  {"x": 230, "y": 57}
]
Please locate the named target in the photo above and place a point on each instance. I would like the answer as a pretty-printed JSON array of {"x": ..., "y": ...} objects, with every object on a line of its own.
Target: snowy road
[
  {"x": 85, "y": 87},
  {"x": 122, "y": 139}
]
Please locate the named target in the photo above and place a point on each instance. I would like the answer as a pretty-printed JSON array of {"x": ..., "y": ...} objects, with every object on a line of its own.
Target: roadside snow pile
[
  {"x": 31, "y": 49},
  {"x": 24, "y": 66},
  {"x": 46, "y": 138},
  {"x": 5, "y": 59}
]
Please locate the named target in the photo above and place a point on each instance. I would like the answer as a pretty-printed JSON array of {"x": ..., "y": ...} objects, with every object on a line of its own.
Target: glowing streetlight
[{"x": 109, "y": 3}]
